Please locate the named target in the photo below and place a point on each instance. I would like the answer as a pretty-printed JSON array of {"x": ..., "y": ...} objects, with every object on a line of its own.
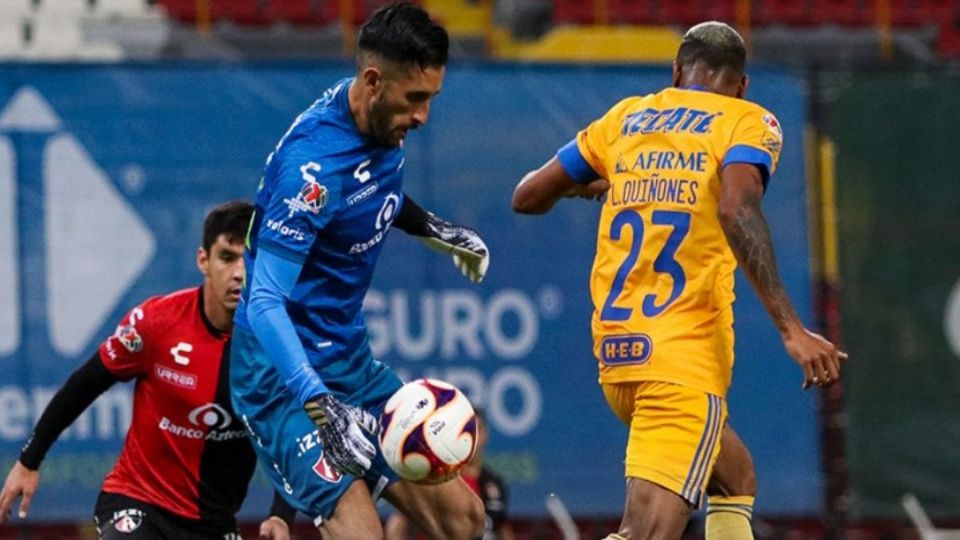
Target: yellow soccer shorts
[{"x": 674, "y": 433}]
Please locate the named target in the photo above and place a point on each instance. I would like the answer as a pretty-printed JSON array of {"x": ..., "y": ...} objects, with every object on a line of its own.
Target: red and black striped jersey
[{"x": 185, "y": 452}]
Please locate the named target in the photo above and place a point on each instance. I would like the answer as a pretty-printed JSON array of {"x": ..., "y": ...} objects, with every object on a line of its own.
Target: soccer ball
[{"x": 428, "y": 431}]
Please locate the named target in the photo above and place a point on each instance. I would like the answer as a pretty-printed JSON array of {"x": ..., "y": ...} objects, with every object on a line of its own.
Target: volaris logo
[{"x": 70, "y": 245}]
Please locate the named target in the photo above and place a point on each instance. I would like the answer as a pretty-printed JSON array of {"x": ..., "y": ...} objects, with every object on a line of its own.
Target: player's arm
[
  {"x": 278, "y": 263},
  {"x": 749, "y": 237},
  {"x": 339, "y": 425},
  {"x": 81, "y": 389},
  {"x": 564, "y": 175},
  {"x": 577, "y": 170},
  {"x": 470, "y": 253}
]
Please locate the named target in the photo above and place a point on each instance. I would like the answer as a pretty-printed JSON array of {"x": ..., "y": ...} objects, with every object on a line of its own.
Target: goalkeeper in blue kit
[{"x": 302, "y": 374}]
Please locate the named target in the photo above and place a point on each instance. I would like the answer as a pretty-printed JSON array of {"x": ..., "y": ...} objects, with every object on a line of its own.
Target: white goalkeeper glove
[
  {"x": 339, "y": 426},
  {"x": 470, "y": 253}
]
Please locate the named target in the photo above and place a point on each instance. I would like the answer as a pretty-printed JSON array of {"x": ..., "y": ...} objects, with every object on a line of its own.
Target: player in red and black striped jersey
[{"x": 187, "y": 459}]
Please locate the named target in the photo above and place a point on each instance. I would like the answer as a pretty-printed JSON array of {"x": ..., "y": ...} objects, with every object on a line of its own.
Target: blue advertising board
[{"x": 106, "y": 172}]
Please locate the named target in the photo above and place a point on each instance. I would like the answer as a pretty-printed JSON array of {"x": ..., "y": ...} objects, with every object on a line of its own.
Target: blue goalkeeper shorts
[{"x": 286, "y": 440}]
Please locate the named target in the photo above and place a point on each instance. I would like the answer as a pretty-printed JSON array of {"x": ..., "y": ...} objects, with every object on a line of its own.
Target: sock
[{"x": 728, "y": 518}]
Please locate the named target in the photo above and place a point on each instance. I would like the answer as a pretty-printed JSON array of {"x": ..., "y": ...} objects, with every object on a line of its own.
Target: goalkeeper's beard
[{"x": 379, "y": 123}]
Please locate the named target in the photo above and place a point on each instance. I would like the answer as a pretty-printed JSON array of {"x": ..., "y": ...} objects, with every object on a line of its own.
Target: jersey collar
[{"x": 203, "y": 317}]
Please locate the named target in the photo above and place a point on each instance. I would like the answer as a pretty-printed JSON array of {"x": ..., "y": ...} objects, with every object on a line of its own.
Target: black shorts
[{"x": 119, "y": 517}]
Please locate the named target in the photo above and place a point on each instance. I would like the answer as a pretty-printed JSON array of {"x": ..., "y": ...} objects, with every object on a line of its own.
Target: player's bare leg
[
  {"x": 731, "y": 491},
  {"x": 447, "y": 511},
  {"x": 652, "y": 513},
  {"x": 354, "y": 518}
]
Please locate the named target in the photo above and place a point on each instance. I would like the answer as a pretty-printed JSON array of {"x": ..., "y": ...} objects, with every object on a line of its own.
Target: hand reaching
[
  {"x": 339, "y": 425},
  {"x": 595, "y": 190},
  {"x": 274, "y": 528},
  {"x": 470, "y": 253},
  {"x": 21, "y": 482},
  {"x": 819, "y": 359}
]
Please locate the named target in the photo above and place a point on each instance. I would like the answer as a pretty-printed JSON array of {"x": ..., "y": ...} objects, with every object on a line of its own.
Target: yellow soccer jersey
[{"x": 662, "y": 280}]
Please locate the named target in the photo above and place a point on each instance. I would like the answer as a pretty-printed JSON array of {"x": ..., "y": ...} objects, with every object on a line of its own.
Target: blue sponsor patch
[
  {"x": 628, "y": 349},
  {"x": 678, "y": 120}
]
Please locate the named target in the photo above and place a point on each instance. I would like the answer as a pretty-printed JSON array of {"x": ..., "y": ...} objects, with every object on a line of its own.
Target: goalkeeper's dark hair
[
  {"x": 405, "y": 34},
  {"x": 231, "y": 219},
  {"x": 715, "y": 44}
]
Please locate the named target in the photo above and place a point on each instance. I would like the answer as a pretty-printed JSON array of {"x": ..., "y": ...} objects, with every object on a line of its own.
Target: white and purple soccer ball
[{"x": 428, "y": 431}]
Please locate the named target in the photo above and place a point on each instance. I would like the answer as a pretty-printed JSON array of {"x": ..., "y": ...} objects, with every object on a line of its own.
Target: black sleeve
[
  {"x": 282, "y": 510},
  {"x": 82, "y": 388},
  {"x": 412, "y": 219}
]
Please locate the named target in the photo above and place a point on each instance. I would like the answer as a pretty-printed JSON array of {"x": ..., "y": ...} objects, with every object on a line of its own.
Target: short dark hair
[
  {"x": 231, "y": 218},
  {"x": 715, "y": 44},
  {"x": 404, "y": 33}
]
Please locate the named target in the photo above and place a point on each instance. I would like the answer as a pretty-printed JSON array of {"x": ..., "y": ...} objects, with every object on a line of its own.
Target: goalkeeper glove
[
  {"x": 339, "y": 426},
  {"x": 470, "y": 253}
]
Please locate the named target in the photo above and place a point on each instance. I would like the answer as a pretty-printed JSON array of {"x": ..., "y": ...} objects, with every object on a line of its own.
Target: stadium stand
[
  {"x": 764, "y": 12},
  {"x": 301, "y": 12},
  {"x": 74, "y": 29}
]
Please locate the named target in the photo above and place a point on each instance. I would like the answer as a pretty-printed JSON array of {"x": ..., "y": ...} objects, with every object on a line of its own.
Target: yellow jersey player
[{"x": 681, "y": 174}]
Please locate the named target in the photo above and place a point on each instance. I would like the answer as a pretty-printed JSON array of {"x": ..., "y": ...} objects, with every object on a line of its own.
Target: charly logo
[
  {"x": 70, "y": 244},
  {"x": 179, "y": 353}
]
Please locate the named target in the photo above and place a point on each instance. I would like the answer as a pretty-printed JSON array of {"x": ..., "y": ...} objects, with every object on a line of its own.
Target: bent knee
[
  {"x": 466, "y": 521},
  {"x": 359, "y": 533},
  {"x": 748, "y": 485},
  {"x": 370, "y": 530},
  {"x": 744, "y": 482}
]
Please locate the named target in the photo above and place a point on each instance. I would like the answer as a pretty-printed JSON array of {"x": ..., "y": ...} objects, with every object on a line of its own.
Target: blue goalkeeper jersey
[{"x": 326, "y": 202}]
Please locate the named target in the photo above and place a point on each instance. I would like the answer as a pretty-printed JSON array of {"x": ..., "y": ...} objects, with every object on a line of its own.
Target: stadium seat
[
  {"x": 632, "y": 11},
  {"x": 246, "y": 12},
  {"x": 68, "y": 8},
  {"x": 15, "y": 8},
  {"x": 55, "y": 38},
  {"x": 53, "y": 35},
  {"x": 684, "y": 12},
  {"x": 948, "y": 39},
  {"x": 362, "y": 9},
  {"x": 786, "y": 12},
  {"x": 291, "y": 11},
  {"x": 844, "y": 12},
  {"x": 302, "y": 12},
  {"x": 719, "y": 10},
  {"x": 11, "y": 36},
  {"x": 123, "y": 8},
  {"x": 573, "y": 12},
  {"x": 180, "y": 10},
  {"x": 919, "y": 12}
]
